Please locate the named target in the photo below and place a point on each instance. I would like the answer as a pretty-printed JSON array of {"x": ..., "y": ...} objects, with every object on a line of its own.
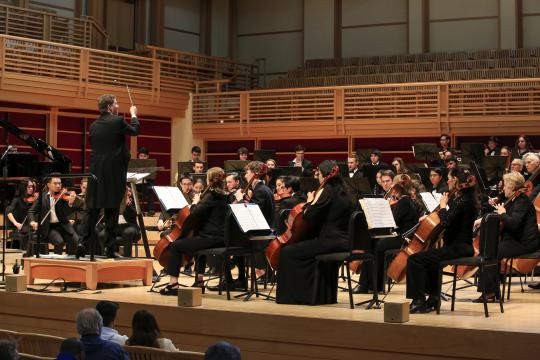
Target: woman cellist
[
  {"x": 519, "y": 230},
  {"x": 209, "y": 211},
  {"x": 329, "y": 209},
  {"x": 457, "y": 220}
]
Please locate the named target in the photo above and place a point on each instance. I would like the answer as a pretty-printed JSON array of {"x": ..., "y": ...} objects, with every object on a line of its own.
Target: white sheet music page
[
  {"x": 132, "y": 176},
  {"x": 378, "y": 213},
  {"x": 170, "y": 197},
  {"x": 249, "y": 217},
  {"x": 430, "y": 201}
]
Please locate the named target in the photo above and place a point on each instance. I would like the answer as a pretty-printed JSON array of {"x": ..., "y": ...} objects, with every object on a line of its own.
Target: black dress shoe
[
  {"x": 417, "y": 306},
  {"x": 358, "y": 289},
  {"x": 490, "y": 298},
  {"x": 235, "y": 286},
  {"x": 111, "y": 254},
  {"x": 80, "y": 251},
  {"x": 535, "y": 286},
  {"x": 169, "y": 290}
]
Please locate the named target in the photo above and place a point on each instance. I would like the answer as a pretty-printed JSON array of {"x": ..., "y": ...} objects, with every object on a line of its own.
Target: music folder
[
  {"x": 378, "y": 213},
  {"x": 430, "y": 200},
  {"x": 170, "y": 197},
  {"x": 250, "y": 217}
]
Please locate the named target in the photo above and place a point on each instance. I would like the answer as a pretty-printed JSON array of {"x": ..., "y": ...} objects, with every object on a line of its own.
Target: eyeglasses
[{"x": 521, "y": 140}]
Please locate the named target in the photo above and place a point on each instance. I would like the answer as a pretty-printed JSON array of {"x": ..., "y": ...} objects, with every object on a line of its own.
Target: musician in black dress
[
  {"x": 405, "y": 216},
  {"x": 329, "y": 210},
  {"x": 17, "y": 213},
  {"x": 457, "y": 220},
  {"x": 209, "y": 212},
  {"x": 519, "y": 230}
]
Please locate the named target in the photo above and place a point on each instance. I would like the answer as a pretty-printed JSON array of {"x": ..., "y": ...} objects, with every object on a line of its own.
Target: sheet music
[
  {"x": 430, "y": 201},
  {"x": 437, "y": 197},
  {"x": 131, "y": 176},
  {"x": 170, "y": 197},
  {"x": 249, "y": 217},
  {"x": 378, "y": 213}
]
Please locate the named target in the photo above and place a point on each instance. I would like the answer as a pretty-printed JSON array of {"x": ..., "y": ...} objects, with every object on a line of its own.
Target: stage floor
[{"x": 265, "y": 330}]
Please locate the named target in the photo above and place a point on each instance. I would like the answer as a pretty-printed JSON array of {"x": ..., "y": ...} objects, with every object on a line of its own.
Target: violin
[
  {"x": 63, "y": 194},
  {"x": 262, "y": 172}
]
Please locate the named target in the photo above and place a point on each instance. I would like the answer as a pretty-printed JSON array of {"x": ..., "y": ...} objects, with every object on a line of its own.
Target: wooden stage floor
[{"x": 265, "y": 330}]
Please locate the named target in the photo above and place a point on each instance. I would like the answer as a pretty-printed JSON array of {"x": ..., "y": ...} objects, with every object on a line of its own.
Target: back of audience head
[
  {"x": 107, "y": 310},
  {"x": 89, "y": 322},
  {"x": 71, "y": 348},
  {"x": 145, "y": 330},
  {"x": 8, "y": 350},
  {"x": 222, "y": 351}
]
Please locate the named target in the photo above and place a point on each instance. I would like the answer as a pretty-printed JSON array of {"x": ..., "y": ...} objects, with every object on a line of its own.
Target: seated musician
[
  {"x": 405, "y": 216},
  {"x": 522, "y": 146},
  {"x": 291, "y": 187},
  {"x": 387, "y": 180},
  {"x": 457, "y": 220},
  {"x": 242, "y": 153},
  {"x": 330, "y": 209},
  {"x": 354, "y": 167},
  {"x": 399, "y": 167},
  {"x": 300, "y": 161},
  {"x": 53, "y": 212},
  {"x": 78, "y": 210},
  {"x": 519, "y": 232},
  {"x": 452, "y": 163},
  {"x": 195, "y": 153},
  {"x": 198, "y": 187},
  {"x": 506, "y": 151},
  {"x": 232, "y": 183},
  {"x": 438, "y": 185},
  {"x": 375, "y": 158},
  {"x": 261, "y": 195},
  {"x": 444, "y": 144},
  {"x": 377, "y": 188},
  {"x": 198, "y": 167},
  {"x": 144, "y": 187},
  {"x": 186, "y": 187},
  {"x": 271, "y": 163},
  {"x": 17, "y": 213},
  {"x": 492, "y": 148},
  {"x": 532, "y": 164},
  {"x": 127, "y": 228},
  {"x": 517, "y": 166},
  {"x": 209, "y": 211}
]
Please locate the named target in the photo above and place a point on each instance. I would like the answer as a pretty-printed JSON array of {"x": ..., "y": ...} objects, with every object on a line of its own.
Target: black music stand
[
  {"x": 494, "y": 167},
  {"x": 290, "y": 170},
  {"x": 472, "y": 152},
  {"x": 370, "y": 172},
  {"x": 425, "y": 152},
  {"x": 308, "y": 184},
  {"x": 363, "y": 156},
  {"x": 186, "y": 167},
  {"x": 264, "y": 154},
  {"x": 481, "y": 178},
  {"x": 358, "y": 185},
  {"x": 235, "y": 165}
]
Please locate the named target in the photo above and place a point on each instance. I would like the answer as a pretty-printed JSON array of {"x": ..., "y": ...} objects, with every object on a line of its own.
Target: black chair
[
  {"x": 509, "y": 265},
  {"x": 488, "y": 257},
  {"x": 234, "y": 246},
  {"x": 357, "y": 223}
]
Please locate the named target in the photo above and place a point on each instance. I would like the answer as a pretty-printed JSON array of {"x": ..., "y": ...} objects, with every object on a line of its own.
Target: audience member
[
  {"x": 8, "y": 350},
  {"x": 71, "y": 349},
  {"x": 107, "y": 310},
  {"x": 89, "y": 325},
  {"x": 145, "y": 332},
  {"x": 222, "y": 351}
]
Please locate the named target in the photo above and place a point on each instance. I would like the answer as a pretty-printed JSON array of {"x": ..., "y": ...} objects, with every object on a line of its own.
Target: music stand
[
  {"x": 140, "y": 165},
  {"x": 197, "y": 176},
  {"x": 472, "y": 152},
  {"x": 370, "y": 172},
  {"x": 290, "y": 170},
  {"x": 235, "y": 165},
  {"x": 363, "y": 155},
  {"x": 263, "y": 155},
  {"x": 308, "y": 184},
  {"x": 358, "y": 185},
  {"x": 481, "y": 177},
  {"x": 343, "y": 168},
  {"x": 186, "y": 167},
  {"x": 425, "y": 151},
  {"x": 494, "y": 167}
]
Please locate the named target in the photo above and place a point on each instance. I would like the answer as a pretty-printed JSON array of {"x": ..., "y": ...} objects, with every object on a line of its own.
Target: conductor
[{"x": 109, "y": 162}]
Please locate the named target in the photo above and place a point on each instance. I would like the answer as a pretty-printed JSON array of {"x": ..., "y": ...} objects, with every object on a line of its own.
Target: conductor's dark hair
[{"x": 104, "y": 101}]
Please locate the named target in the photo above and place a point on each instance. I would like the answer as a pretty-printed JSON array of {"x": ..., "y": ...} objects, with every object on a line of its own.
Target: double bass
[
  {"x": 424, "y": 236},
  {"x": 182, "y": 227},
  {"x": 297, "y": 229}
]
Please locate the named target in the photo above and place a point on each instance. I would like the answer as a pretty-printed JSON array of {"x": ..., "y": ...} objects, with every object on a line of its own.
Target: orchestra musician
[
  {"x": 438, "y": 185},
  {"x": 209, "y": 211},
  {"x": 53, "y": 209},
  {"x": 109, "y": 162},
  {"x": 522, "y": 146},
  {"x": 242, "y": 153},
  {"x": 144, "y": 186},
  {"x": 444, "y": 144},
  {"x": 198, "y": 166},
  {"x": 186, "y": 187},
  {"x": 300, "y": 161},
  {"x": 232, "y": 184},
  {"x": 405, "y": 214},
  {"x": 387, "y": 180},
  {"x": 452, "y": 163},
  {"x": 375, "y": 158},
  {"x": 532, "y": 164},
  {"x": 519, "y": 233},
  {"x": 195, "y": 153},
  {"x": 17, "y": 213},
  {"x": 330, "y": 209},
  {"x": 291, "y": 194},
  {"x": 127, "y": 228},
  {"x": 399, "y": 166},
  {"x": 78, "y": 210},
  {"x": 492, "y": 147},
  {"x": 271, "y": 163},
  {"x": 377, "y": 188},
  {"x": 198, "y": 187},
  {"x": 457, "y": 220},
  {"x": 353, "y": 164}
]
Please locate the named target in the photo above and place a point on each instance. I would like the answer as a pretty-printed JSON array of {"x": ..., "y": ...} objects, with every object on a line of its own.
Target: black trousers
[
  {"x": 187, "y": 246},
  {"x": 110, "y": 219},
  {"x": 125, "y": 235},
  {"x": 381, "y": 246},
  {"x": 58, "y": 236},
  {"x": 508, "y": 248},
  {"x": 423, "y": 268}
]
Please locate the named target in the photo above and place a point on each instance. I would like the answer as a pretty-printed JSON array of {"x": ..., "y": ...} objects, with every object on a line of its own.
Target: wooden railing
[
  {"x": 198, "y": 67},
  {"x": 437, "y": 105},
  {"x": 35, "y": 24}
]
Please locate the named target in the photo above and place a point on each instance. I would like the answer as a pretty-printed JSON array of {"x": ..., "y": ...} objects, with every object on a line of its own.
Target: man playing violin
[
  {"x": 532, "y": 165},
  {"x": 17, "y": 213},
  {"x": 330, "y": 209},
  {"x": 457, "y": 220},
  {"x": 53, "y": 210},
  {"x": 519, "y": 232}
]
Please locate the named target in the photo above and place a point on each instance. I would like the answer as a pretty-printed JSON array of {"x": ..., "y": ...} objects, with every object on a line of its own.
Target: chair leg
[
  {"x": 484, "y": 298},
  {"x": 510, "y": 277},
  {"x": 504, "y": 277},
  {"x": 315, "y": 283},
  {"x": 386, "y": 281},
  {"x": 439, "y": 289},
  {"x": 454, "y": 288},
  {"x": 351, "y": 301}
]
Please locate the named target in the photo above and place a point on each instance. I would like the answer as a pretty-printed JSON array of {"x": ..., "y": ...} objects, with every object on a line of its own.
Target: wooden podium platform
[{"x": 89, "y": 272}]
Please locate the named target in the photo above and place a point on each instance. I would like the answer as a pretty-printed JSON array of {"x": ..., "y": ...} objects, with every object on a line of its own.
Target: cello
[
  {"x": 424, "y": 236},
  {"x": 182, "y": 227},
  {"x": 297, "y": 229}
]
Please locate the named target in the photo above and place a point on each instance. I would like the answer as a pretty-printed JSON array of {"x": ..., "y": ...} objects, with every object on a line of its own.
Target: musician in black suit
[
  {"x": 354, "y": 167},
  {"x": 375, "y": 158},
  {"x": 109, "y": 162},
  {"x": 438, "y": 184},
  {"x": 300, "y": 161},
  {"x": 53, "y": 211}
]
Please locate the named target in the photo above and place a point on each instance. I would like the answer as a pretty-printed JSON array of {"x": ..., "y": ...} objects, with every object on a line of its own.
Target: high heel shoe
[{"x": 170, "y": 290}]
